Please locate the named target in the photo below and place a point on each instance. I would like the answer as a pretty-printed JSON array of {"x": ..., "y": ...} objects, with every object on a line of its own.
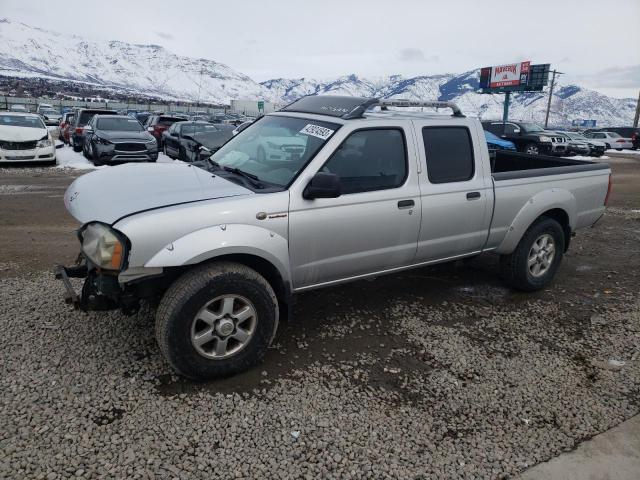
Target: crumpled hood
[
  {"x": 21, "y": 134},
  {"x": 109, "y": 194}
]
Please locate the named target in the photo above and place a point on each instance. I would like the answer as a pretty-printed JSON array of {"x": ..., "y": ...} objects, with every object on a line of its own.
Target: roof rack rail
[
  {"x": 419, "y": 103},
  {"x": 349, "y": 108}
]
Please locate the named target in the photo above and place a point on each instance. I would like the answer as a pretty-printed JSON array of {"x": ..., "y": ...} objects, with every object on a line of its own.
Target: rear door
[
  {"x": 457, "y": 193},
  {"x": 373, "y": 226}
]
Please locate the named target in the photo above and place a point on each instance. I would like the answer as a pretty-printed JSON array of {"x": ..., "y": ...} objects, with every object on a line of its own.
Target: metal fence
[{"x": 32, "y": 104}]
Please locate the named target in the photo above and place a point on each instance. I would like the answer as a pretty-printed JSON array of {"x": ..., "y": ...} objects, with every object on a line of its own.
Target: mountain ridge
[{"x": 153, "y": 71}]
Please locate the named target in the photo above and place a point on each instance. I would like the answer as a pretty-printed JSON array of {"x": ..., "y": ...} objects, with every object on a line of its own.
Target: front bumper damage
[{"x": 100, "y": 291}]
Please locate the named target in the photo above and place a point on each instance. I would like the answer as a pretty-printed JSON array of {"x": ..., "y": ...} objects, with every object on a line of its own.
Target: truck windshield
[
  {"x": 275, "y": 149},
  {"x": 532, "y": 127}
]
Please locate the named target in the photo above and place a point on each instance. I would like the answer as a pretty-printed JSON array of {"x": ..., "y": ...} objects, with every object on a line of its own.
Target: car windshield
[
  {"x": 614, "y": 135},
  {"x": 49, "y": 111},
  {"x": 532, "y": 127},
  {"x": 31, "y": 121},
  {"x": 119, "y": 124},
  {"x": 275, "y": 149}
]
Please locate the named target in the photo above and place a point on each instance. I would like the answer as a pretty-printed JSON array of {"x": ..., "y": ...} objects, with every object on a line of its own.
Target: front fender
[
  {"x": 541, "y": 202},
  {"x": 228, "y": 239}
]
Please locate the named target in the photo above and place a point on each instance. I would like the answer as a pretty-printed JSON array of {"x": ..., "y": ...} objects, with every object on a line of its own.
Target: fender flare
[
  {"x": 553, "y": 198},
  {"x": 218, "y": 240}
]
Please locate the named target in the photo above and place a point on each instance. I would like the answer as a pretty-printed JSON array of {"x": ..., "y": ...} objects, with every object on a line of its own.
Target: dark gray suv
[{"x": 118, "y": 138}]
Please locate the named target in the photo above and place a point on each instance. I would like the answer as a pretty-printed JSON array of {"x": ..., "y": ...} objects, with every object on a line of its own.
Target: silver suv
[{"x": 323, "y": 192}]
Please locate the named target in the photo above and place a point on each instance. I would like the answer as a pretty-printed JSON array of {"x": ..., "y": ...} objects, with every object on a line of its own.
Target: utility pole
[
  {"x": 553, "y": 81},
  {"x": 637, "y": 117}
]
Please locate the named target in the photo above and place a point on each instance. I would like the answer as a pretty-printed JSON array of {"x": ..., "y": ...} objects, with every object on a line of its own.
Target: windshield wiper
[{"x": 253, "y": 179}]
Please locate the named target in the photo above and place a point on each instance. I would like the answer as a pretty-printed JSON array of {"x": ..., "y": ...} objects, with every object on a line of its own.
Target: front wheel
[
  {"x": 535, "y": 260},
  {"x": 532, "y": 149},
  {"x": 216, "y": 320}
]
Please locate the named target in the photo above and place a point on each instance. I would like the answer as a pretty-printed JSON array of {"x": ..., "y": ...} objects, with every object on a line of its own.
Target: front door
[{"x": 373, "y": 225}]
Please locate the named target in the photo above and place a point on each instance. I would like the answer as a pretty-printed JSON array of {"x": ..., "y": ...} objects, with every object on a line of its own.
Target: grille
[
  {"x": 18, "y": 145},
  {"x": 130, "y": 147}
]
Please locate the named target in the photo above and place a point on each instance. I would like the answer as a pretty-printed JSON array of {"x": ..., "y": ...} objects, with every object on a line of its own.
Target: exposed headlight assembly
[
  {"x": 44, "y": 142},
  {"x": 103, "y": 246},
  {"x": 102, "y": 141},
  {"x": 544, "y": 138}
]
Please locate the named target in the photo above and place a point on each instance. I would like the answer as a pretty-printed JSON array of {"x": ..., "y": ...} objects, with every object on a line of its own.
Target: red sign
[{"x": 513, "y": 74}]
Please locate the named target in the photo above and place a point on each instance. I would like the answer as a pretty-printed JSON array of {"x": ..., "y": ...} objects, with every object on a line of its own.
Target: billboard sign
[
  {"x": 515, "y": 77},
  {"x": 509, "y": 75}
]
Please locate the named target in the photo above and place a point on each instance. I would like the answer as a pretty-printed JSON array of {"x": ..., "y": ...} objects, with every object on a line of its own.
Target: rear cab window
[{"x": 449, "y": 154}]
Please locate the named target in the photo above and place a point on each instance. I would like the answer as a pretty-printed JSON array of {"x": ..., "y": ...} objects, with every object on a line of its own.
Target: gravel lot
[{"x": 434, "y": 373}]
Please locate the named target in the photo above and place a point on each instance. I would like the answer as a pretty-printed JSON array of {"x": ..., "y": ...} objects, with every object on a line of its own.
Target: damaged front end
[
  {"x": 103, "y": 256},
  {"x": 99, "y": 292}
]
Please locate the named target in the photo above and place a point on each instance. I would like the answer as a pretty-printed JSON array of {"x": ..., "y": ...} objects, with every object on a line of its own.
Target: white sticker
[{"x": 317, "y": 131}]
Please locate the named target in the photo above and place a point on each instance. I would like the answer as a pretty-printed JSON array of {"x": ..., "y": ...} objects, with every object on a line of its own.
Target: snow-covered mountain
[
  {"x": 570, "y": 102},
  {"x": 26, "y": 51},
  {"x": 151, "y": 70}
]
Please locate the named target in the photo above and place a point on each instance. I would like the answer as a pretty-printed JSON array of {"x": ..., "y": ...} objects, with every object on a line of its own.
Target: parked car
[
  {"x": 25, "y": 138},
  {"x": 50, "y": 115},
  {"x": 626, "y": 132},
  {"x": 612, "y": 140},
  {"x": 17, "y": 107},
  {"x": 529, "y": 138},
  {"x": 81, "y": 117},
  {"x": 118, "y": 138},
  {"x": 65, "y": 125},
  {"x": 190, "y": 141},
  {"x": 157, "y": 124},
  {"x": 581, "y": 145},
  {"x": 226, "y": 246},
  {"x": 496, "y": 143}
]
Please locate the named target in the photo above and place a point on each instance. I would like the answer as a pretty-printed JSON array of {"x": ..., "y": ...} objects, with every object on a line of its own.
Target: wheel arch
[
  {"x": 559, "y": 204},
  {"x": 260, "y": 249}
]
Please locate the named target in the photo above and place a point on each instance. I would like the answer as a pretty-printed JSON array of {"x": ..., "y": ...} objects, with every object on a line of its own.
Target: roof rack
[
  {"x": 418, "y": 103},
  {"x": 349, "y": 108}
]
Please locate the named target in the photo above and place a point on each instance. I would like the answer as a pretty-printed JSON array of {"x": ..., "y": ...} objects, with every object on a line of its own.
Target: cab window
[{"x": 372, "y": 159}]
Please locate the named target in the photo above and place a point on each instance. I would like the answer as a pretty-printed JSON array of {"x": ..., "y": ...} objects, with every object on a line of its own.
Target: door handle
[
  {"x": 473, "y": 195},
  {"x": 406, "y": 204}
]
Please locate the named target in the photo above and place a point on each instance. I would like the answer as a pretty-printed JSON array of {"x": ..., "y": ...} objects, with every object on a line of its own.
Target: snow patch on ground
[{"x": 625, "y": 152}]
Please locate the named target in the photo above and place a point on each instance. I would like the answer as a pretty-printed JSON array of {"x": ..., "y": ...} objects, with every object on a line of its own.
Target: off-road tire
[
  {"x": 514, "y": 268},
  {"x": 189, "y": 293}
]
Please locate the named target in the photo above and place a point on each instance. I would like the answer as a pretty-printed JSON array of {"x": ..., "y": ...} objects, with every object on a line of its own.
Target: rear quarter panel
[{"x": 520, "y": 201}]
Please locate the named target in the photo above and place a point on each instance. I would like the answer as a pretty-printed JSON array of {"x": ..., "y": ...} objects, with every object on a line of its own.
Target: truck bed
[
  {"x": 525, "y": 186},
  {"x": 506, "y": 165}
]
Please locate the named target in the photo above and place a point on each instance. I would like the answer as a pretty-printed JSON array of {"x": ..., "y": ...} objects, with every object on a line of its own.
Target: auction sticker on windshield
[{"x": 317, "y": 131}]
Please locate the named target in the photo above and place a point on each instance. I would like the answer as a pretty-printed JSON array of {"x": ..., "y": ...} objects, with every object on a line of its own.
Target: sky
[{"x": 595, "y": 43}]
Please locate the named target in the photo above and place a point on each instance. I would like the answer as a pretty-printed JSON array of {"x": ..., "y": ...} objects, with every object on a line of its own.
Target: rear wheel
[
  {"x": 532, "y": 149},
  {"x": 535, "y": 260},
  {"x": 216, "y": 320}
]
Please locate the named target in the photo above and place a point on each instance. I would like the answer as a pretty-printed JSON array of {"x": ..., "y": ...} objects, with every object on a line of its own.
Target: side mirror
[{"x": 323, "y": 185}]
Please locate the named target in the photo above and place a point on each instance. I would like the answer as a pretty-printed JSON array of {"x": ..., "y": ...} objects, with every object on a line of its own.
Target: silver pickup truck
[{"x": 327, "y": 190}]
